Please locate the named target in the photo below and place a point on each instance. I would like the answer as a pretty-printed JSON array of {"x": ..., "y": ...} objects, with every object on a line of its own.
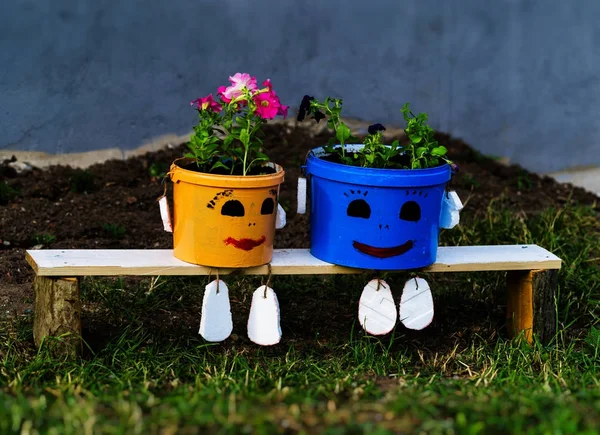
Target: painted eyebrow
[
  {"x": 356, "y": 192},
  {"x": 417, "y": 192},
  {"x": 224, "y": 194}
]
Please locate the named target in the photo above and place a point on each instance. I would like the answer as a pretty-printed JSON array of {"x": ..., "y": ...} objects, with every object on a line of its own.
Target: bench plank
[{"x": 154, "y": 262}]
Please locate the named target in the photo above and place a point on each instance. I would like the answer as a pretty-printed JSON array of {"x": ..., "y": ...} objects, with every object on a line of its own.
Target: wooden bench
[{"x": 531, "y": 279}]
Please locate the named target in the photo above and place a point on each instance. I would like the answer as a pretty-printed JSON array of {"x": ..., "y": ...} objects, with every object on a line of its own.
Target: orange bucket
[{"x": 224, "y": 220}]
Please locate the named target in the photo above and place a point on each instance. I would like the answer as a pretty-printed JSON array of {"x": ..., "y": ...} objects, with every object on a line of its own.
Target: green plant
[
  {"x": 226, "y": 137},
  {"x": 116, "y": 231},
  {"x": 422, "y": 150},
  {"x": 157, "y": 170},
  {"x": 82, "y": 181},
  {"x": 44, "y": 238},
  {"x": 7, "y": 193},
  {"x": 524, "y": 180}
]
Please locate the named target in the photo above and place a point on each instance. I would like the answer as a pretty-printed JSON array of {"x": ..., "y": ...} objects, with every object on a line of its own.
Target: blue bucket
[{"x": 383, "y": 219}]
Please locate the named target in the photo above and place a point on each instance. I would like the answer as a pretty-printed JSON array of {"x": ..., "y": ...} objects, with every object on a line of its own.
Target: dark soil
[
  {"x": 256, "y": 169},
  {"x": 401, "y": 161},
  {"x": 114, "y": 205}
]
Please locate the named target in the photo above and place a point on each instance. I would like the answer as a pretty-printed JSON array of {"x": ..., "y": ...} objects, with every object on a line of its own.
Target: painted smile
[
  {"x": 245, "y": 244},
  {"x": 383, "y": 252}
]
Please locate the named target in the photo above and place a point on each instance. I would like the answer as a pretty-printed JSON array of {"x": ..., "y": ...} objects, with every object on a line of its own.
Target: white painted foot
[
  {"x": 216, "y": 323},
  {"x": 377, "y": 311},
  {"x": 416, "y": 304},
  {"x": 263, "y": 322}
]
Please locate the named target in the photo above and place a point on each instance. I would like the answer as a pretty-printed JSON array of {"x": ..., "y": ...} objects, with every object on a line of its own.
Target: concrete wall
[{"x": 516, "y": 78}]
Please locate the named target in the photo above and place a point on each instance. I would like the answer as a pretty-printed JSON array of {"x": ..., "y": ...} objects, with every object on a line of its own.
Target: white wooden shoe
[
  {"x": 216, "y": 323},
  {"x": 416, "y": 304},
  {"x": 263, "y": 323},
  {"x": 377, "y": 311}
]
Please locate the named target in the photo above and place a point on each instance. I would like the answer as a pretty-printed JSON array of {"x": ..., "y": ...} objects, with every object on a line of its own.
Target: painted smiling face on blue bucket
[
  {"x": 389, "y": 224},
  {"x": 375, "y": 227},
  {"x": 375, "y": 218}
]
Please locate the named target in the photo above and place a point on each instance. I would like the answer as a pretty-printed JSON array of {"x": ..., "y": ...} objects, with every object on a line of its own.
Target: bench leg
[
  {"x": 57, "y": 312},
  {"x": 530, "y": 308}
]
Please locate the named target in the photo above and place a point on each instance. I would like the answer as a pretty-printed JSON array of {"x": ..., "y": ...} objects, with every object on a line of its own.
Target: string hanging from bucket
[
  {"x": 268, "y": 280},
  {"x": 210, "y": 276}
]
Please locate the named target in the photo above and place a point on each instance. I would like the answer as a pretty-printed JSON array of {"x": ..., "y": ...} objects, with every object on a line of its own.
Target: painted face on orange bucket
[{"x": 244, "y": 218}]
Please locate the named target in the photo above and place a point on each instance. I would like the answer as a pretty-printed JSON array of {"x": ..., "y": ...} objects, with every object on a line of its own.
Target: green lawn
[{"x": 147, "y": 371}]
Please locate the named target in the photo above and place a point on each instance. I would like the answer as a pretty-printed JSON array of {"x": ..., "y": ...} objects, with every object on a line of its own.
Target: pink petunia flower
[
  {"x": 220, "y": 92},
  {"x": 283, "y": 110},
  {"x": 267, "y": 105},
  {"x": 243, "y": 80},
  {"x": 239, "y": 82},
  {"x": 267, "y": 84},
  {"x": 207, "y": 103}
]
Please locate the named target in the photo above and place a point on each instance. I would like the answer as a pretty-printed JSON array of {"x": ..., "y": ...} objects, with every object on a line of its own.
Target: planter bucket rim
[
  {"x": 374, "y": 176},
  {"x": 177, "y": 173}
]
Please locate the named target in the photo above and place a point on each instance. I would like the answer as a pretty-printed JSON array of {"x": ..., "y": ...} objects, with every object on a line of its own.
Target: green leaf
[
  {"x": 405, "y": 111},
  {"x": 415, "y": 138},
  {"x": 245, "y": 137},
  {"x": 219, "y": 164},
  {"x": 420, "y": 151},
  {"x": 227, "y": 141},
  {"x": 342, "y": 133},
  {"x": 439, "y": 151},
  {"x": 329, "y": 147}
]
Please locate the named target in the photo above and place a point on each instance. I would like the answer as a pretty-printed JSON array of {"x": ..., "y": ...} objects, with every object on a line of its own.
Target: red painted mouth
[
  {"x": 244, "y": 244},
  {"x": 383, "y": 252}
]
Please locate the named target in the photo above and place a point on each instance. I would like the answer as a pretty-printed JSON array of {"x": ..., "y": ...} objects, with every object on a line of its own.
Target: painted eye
[
  {"x": 410, "y": 211},
  {"x": 268, "y": 206},
  {"x": 359, "y": 208},
  {"x": 233, "y": 208}
]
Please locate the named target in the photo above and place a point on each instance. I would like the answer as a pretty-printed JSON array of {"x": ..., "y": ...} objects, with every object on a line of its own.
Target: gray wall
[{"x": 515, "y": 78}]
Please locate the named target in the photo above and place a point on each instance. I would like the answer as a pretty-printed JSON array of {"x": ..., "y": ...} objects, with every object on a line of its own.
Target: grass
[{"x": 147, "y": 370}]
